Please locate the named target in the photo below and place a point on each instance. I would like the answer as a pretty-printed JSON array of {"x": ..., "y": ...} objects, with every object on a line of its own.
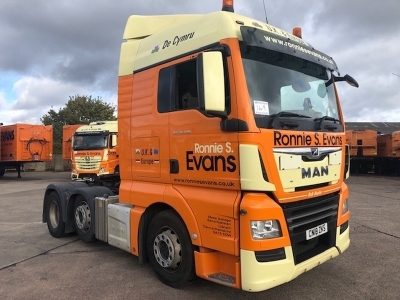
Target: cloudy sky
[{"x": 50, "y": 50}]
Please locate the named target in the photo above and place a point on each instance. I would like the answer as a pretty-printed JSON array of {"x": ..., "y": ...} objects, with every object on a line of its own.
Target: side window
[
  {"x": 177, "y": 87},
  {"x": 165, "y": 89},
  {"x": 186, "y": 83}
]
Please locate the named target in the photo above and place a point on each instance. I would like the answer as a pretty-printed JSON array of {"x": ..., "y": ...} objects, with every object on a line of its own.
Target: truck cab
[{"x": 94, "y": 150}]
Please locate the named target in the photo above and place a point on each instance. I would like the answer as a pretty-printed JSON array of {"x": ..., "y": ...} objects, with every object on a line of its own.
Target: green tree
[{"x": 78, "y": 110}]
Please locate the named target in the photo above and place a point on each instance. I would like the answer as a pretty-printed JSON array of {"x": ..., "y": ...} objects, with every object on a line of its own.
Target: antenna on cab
[
  {"x": 265, "y": 12},
  {"x": 227, "y": 5}
]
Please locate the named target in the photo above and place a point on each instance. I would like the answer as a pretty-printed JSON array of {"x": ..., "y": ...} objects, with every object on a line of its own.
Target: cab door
[{"x": 204, "y": 166}]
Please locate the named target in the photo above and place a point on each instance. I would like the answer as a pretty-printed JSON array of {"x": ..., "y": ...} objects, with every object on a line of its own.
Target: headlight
[
  {"x": 102, "y": 170},
  {"x": 345, "y": 207},
  {"x": 266, "y": 229}
]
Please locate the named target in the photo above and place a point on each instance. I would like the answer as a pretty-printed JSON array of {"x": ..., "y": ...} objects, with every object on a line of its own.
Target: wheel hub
[
  {"x": 54, "y": 214},
  {"x": 167, "y": 249},
  {"x": 82, "y": 216}
]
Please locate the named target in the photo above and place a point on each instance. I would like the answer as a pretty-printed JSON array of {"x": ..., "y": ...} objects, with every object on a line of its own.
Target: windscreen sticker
[{"x": 261, "y": 108}]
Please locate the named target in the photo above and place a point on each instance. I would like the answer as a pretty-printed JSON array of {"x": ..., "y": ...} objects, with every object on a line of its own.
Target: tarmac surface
[{"x": 34, "y": 265}]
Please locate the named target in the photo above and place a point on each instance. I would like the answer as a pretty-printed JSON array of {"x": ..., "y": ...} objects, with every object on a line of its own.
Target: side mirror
[
  {"x": 350, "y": 80},
  {"x": 211, "y": 82},
  {"x": 114, "y": 138}
]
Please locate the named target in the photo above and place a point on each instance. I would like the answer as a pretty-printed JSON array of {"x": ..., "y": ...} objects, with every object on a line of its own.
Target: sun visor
[{"x": 286, "y": 43}]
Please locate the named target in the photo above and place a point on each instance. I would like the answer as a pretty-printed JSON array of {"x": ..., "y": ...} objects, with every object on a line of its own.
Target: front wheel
[
  {"x": 53, "y": 215},
  {"x": 84, "y": 219},
  {"x": 170, "y": 250}
]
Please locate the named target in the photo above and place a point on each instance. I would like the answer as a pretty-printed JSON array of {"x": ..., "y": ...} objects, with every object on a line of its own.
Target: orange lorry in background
[
  {"x": 24, "y": 143},
  {"x": 95, "y": 151},
  {"x": 68, "y": 132},
  {"x": 232, "y": 154}
]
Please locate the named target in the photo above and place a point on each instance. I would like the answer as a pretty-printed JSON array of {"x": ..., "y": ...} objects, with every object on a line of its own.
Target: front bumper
[{"x": 258, "y": 276}]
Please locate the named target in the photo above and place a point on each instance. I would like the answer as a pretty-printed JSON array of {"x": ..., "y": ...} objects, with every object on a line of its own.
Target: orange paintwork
[
  {"x": 208, "y": 201},
  {"x": 343, "y": 196},
  {"x": 362, "y": 143},
  {"x": 68, "y": 132},
  {"x": 26, "y": 143},
  {"x": 260, "y": 207}
]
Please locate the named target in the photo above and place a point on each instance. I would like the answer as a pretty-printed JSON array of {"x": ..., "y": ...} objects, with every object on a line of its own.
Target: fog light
[{"x": 266, "y": 229}]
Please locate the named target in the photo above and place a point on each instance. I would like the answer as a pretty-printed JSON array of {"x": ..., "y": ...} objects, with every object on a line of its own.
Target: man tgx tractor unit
[{"x": 232, "y": 154}]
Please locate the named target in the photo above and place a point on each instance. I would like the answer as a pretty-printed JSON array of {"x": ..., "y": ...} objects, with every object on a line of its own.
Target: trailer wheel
[
  {"x": 53, "y": 215},
  {"x": 170, "y": 250},
  {"x": 84, "y": 219}
]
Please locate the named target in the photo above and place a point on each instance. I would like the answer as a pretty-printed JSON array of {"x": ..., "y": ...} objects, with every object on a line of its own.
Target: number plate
[{"x": 316, "y": 231}]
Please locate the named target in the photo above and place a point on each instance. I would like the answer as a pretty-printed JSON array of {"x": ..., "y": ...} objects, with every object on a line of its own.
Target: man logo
[
  {"x": 87, "y": 158},
  {"x": 314, "y": 151}
]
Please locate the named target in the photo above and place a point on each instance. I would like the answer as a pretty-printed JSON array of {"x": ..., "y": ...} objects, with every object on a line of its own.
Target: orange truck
[
  {"x": 94, "y": 150},
  {"x": 24, "y": 143},
  {"x": 232, "y": 154}
]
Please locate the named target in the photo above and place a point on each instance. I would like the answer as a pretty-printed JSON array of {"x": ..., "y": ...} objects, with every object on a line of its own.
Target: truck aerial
[
  {"x": 94, "y": 150},
  {"x": 24, "y": 143},
  {"x": 232, "y": 154}
]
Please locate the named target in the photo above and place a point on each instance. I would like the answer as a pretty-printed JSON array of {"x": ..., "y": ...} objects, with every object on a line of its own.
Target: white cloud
[
  {"x": 36, "y": 96},
  {"x": 53, "y": 61}
]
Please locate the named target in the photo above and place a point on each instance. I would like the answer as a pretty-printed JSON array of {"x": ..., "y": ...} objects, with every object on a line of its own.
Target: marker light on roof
[
  {"x": 227, "y": 5},
  {"x": 297, "y": 32}
]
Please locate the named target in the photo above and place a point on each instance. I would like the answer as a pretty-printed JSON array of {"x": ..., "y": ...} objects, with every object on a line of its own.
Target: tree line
[{"x": 78, "y": 110}]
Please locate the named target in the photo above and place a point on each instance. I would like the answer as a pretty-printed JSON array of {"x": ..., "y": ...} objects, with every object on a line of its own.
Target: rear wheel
[
  {"x": 170, "y": 250},
  {"x": 53, "y": 215},
  {"x": 84, "y": 219}
]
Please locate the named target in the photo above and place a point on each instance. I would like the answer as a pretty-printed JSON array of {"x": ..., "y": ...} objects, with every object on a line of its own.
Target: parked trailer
[
  {"x": 388, "y": 158},
  {"x": 24, "y": 143},
  {"x": 363, "y": 150},
  {"x": 68, "y": 133}
]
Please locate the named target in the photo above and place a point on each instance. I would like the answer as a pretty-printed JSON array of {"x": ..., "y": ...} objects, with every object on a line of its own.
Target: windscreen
[
  {"x": 89, "y": 141},
  {"x": 279, "y": 82}
]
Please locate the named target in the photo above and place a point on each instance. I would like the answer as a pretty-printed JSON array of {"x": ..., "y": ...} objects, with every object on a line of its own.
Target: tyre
[
  {"x": 170, "y": 249},
  {"x": 2, "y": 172},
  {"x": 84, "y": 219},
  {"x": 53, "y": 215}
]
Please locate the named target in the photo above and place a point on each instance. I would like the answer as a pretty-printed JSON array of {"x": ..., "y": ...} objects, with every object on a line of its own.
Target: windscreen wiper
[
  {"x": 327, "y": 126},
  {"x": 286, "y": 123},
  {"x": 287, "y": 114}
]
